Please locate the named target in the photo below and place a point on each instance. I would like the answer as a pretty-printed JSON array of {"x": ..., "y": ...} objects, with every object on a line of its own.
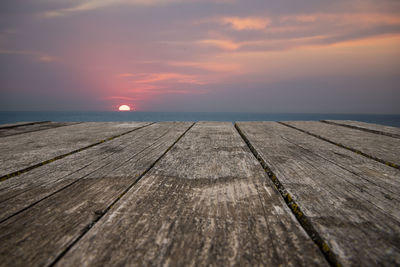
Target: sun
[{"x": 124, "y": 108}]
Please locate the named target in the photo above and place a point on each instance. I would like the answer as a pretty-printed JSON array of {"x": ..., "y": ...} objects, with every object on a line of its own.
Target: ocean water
[{"x": 19, "y": 116}]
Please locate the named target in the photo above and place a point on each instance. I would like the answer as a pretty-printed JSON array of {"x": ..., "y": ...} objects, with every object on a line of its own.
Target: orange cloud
[
  {"x": 360, "y": 19},
  {"x": 385, "y": 42},
  {"x": 222, "y": 44},
  {"x": 367, "y": 56},
  {"x": 248, "y": 23}
]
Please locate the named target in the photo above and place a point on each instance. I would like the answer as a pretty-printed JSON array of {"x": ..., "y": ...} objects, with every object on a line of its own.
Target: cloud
[
  {"x": 251, "y": 31},
  {"x": 222, "y": 44},
  {"x": 17, "y": 52},
  {"x": 127, "y": 98},
  {"x": 126, "y": 75},
  {"x": 160, "y": 90},
  {"x": 137, "y": 48},
  {"x": 297, "y": 30},
  {"x": 247, "y": 23},
  {"x": 144, "y": 86},
  {"x": 356, "y": 19},
  {"x": 38, "y": 56},
  {"x": 149, "y": 78},
  {"x": 46, "y": 58},
  {"x": 209, "y": 66},
  {"x": 176, "y": 77},
  {"x": 98, "y": 4}
]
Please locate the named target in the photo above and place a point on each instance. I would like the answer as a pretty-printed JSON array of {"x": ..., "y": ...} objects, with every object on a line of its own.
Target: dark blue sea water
[{"x": 10, "y": 117}]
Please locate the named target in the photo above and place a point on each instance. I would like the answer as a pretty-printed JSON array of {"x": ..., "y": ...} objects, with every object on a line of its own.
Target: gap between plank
[
  {"x": 37, "y": 130},
  {"x": 329, "y": 255},
  {"x": 361, "y": 129},
  {"x": 16, "y": 173},
  {"x": 23, "y": 124},
  {"x": 73, "y": 182},
  {"x": 388, "y": 163},
  {"x": 100, "y": 214}
]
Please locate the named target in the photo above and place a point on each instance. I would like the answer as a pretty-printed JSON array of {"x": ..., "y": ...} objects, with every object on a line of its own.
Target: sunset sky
[{"x": 201, "y": 55}]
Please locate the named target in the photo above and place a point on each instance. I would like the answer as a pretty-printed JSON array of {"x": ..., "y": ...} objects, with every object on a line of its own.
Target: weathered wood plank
[
  {"x": 34, "y": 127},
  {"x": 17, "y": 124},
  {"x": 208, "y": 202},
  {"x": 40, "y": 234},
  {"x": 369, "y": 127},
  {"x": 28, "y": 188},
  {"x": 357, "y": 216},
  {"x": 22, "y": 151},
  {"x": 382, "y": 148}
]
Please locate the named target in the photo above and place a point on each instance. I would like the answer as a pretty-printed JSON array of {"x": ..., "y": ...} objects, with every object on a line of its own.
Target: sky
[{"x": 310, "y": 56}]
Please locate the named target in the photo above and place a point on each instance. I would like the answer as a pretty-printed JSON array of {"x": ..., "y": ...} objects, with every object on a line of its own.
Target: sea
[{"x": 78, "y": 116}]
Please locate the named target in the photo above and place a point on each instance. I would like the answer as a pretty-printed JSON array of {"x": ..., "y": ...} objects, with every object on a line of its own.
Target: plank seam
[
  {"x": 25, "y": 124},
  {"x": 38, "y": 130},
  {"x": 100, "y": 214},
  {"x": 75, "y": 181},
  {"x": 361, "y": 129},
  {"x": 16, "y": 173},
  {"x": 69, "y": 174},
  {"x": 388, "y": 163},
  {"x": 305, "y": 223},
  {"x": 338, "y": 165},
  {"x": 357, "y": 188}
]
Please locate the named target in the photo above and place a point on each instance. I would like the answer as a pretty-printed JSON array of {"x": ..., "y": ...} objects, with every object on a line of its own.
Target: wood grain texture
[
  {"x": 351, "y": 202},
  {"x": 41, "y": 233},
  {"x": 369, "y": 127},
  {"x": 17, "y": 124},
  {"x": 383, "y": 148},
  {"x": 21, "y": 151},
  {"x": 34, "y": 127},
  {"x": 208, "y": 202},
  {"x": 28, "y": 188}
]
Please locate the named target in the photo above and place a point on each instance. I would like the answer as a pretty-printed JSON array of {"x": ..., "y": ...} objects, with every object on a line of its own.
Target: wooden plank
[
  {"x": 357, "y": 218},
  {"x": 17, "y": 124},
  {"x": 208, "y": 202},
  {"x": 379, "y": 147},
  {"x": 20, "y": 129},
  {"x": 369, "y": 127},
  {"x": 26, "y": 150},
  {"x": 39, "y": 235},
  {"x": 28, "y": 188}
]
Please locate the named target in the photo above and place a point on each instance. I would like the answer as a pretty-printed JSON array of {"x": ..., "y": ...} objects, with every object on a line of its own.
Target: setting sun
[{"x": 124, "y": 108}]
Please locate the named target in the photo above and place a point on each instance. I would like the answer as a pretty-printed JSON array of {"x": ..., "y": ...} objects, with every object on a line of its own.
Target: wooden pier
[{"x": 199, "y": 194}]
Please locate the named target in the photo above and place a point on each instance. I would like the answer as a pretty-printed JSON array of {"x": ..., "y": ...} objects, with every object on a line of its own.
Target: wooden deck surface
[
  {"x": 369, "y": 127},
  {"x": 205, "y": 193}
]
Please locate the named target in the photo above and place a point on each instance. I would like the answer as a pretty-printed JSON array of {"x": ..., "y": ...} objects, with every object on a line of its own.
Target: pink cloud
[
  {"x": 148, "y": 78},
  {"x": 46, "y": 58},
  {"x": 120, "y": 98},
  {"x": 126, "y": 75}
]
